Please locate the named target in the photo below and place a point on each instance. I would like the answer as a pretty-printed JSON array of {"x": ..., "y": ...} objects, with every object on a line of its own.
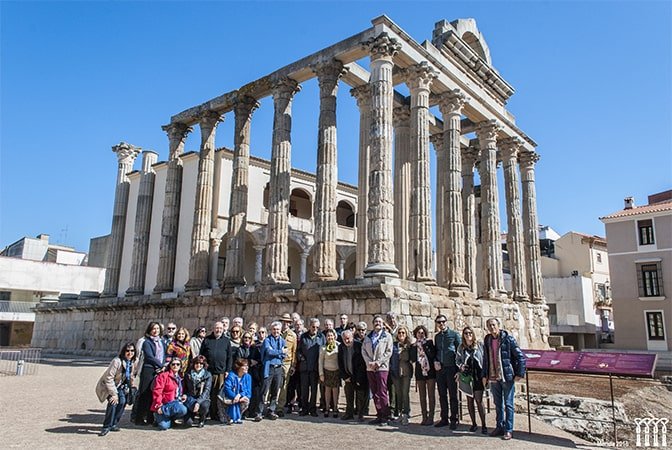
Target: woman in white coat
[{"x": 115, "y": 386}]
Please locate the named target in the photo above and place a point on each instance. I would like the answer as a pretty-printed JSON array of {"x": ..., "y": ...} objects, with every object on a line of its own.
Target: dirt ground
[{"x": 57, "y": 408}]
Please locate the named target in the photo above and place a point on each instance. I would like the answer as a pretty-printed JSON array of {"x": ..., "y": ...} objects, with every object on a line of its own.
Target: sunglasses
[
  {"x": 171, "y": 328},
  {"x": 440, "y": 321},
  {"x": 235, "y": 331},
  {"x": 130, "y": 350},
  {"x": 175, "y": 365}
]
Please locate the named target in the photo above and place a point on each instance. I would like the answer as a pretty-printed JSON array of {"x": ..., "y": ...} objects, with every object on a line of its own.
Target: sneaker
[
  {"x": 473, "y": 428},
  {"x": 104, "y": 432},
  {"x": 484, "y": 430},
  {"x": 238, "y": 422},
  {"x": 507, "y": 436},
  {"x": 497, "y": 432},
  {"x": 272, "y": 416}
]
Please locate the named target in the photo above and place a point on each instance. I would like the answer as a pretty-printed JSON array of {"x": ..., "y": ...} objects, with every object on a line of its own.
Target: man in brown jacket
[{"x": 289, "y": 363}]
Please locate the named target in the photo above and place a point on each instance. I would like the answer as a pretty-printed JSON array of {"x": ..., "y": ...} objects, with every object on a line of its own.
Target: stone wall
[{"x": 100, "y": 326}]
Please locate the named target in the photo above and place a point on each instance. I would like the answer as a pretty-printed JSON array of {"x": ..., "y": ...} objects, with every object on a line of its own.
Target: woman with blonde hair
[
  {"x": 179, "y": 348},
  {"x": 401, "y": 371},
  {"x": 328, "y": 371},
  {"x": 469, "y": 360}
]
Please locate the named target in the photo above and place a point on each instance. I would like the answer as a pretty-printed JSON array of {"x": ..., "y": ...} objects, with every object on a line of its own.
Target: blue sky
[{"x": 593, "y": 89}]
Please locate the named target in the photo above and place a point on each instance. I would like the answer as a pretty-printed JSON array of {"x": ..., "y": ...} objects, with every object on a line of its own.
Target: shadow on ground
[{"x": 82, "y": 423}]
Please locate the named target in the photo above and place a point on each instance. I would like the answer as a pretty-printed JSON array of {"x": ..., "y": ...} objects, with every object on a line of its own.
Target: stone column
[
  {"x": 143, "y": 220},
  {"x": 381, "y": 202},
  {"x": 215, "y": 243},
  {"x": 200, "y": 233},
  {"x": 419, "y": 80},
  {"x": 324, "y": 250},
  {"x": 514, "y": 236},
  {"x": 126, "y": 155},
  {"x": 469, "y": 158},
  {"x": 451, "y": 104},
  {"x": 363, "y": 96},
  {"x": 341, "y": 269},
  {"x": 441, "y": 270},
  {"x": 493, "y": 279},
  {"x": 402, "y": 188},
  {"x": 304, "y": 267},
  {"x": 177, "y": 133},
  {"x": 277, "y": 231},
  {"x": 234, "y": 271},
  {"x": 258, "y": 262},
  {"x": 535, "y": 289}
]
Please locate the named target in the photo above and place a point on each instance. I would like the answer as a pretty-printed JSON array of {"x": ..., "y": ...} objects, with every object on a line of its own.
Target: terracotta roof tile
[{"x": 657, "y": 207}]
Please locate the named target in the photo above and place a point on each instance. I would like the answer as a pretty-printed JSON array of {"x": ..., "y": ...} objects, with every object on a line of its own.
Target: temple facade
[{"x": 220, "y": 232}]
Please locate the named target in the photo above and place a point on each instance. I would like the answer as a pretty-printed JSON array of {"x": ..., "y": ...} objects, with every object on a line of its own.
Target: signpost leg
[
  {"x": 613, "y": 407},
  {"x": 527, "y": 391}
]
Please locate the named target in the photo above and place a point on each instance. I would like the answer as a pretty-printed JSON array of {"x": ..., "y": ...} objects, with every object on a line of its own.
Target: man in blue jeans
[
  {"x": 446, "y": 341},
  {"x": 503, "y": 365}
]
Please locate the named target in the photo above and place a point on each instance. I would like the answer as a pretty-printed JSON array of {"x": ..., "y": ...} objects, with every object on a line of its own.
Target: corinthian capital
[
  {"x": 437, "y": 141},
  {"x": 328, "y": 73},
  {"x": 509, "y": 147},
  {"x": 285, "y": 87},
  {"x": 528, "y": 159},
  {"x": 362, "y": 94},
  {"x": 451, "y": 102},
  {"x": 401, "y": 116},
  {"x": 487, "y": 130},
  {"x": 382, "y": 46},
  {"x": 470, "y": 155},
  {"x": 176, "y": 131},
  {"x": 126, "y": 153},
  {"x": 420, "y": 76},
  {"x": 245, "y": 106},
  {"x": 209, "y": 119}
]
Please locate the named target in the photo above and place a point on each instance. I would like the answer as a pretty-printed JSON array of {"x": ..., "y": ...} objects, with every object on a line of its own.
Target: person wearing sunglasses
[
  {"x": 115, "y": 385},
  {"x": 197, "y": 340},
  {"x": 446, "y": 341},
  {"x": 197, "y": 387},
  {"x": 470, "y": 362},
  {"x": 154, "y": 351},
  {"x": 171, "y": 329},
  {"x": 168, "y": 397}
]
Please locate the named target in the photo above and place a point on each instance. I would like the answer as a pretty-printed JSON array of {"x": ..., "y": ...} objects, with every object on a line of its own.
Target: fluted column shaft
[
  {"x": 324, "y": 250},
  {"x": 258, "y": 262},
  {"x": 126, "y": 155},
  {"x": 419, "y": 80},
  {"x": 277, "y": 231},
  {"x": 469, "y": 158},
  {"x": 143, "y": 221},
  {"x": 493, "y": 277},
  {"x": 402, "y": 188},
  {"x": 363, "y": 96},
  {"x": 381, "y": 202},
  {"x": 451, "y": 104},
  {"x": 514, "y": 236},
  {"x": 234, "y": 271},
  {"x": 200, "y": 233},
  {"x": 535, "y": 288},
  {"x": 441, "y": 259},
  {"x": 165, "y": 276}
]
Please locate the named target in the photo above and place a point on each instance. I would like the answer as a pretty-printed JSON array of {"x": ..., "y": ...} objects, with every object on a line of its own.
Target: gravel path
[{"x": 58, "y": 408}]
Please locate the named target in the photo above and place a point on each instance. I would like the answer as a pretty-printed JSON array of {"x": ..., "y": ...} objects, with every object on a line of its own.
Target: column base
[
  {"x": 539, "y": 300},
  {"x": 497, "y": 296},
  {"x": 271, "y": 280},
  {"x": 196, "y": 285},
  {"x": 324, "y": 276},
  {"x": 135, "y": 291},
  {"x": 521, "y": 298},
  {"x": 162, "y": 289},
  {"x": 381, "y": 270},
  {"x": 234, "y": 281}
]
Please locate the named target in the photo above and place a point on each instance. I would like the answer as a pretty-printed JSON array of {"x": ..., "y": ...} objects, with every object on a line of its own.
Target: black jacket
[
  {"x": 430, "y": 351},
  {"x": 308, "y": 352},
  {"x": 218, "y": 352},
  {"x": 358, "y": 375},
  {"x": 250, "y": 354},
  {"x": 200, "y": 389}
]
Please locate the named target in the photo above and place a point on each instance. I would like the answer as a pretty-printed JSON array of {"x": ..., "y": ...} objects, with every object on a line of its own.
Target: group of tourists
[{"x": 237, "y": 372}]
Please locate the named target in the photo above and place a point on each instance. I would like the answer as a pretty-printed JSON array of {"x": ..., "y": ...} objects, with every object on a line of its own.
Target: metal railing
[
  {"x": 9, "y": 306},
  {"x": 19, "y": 361}
]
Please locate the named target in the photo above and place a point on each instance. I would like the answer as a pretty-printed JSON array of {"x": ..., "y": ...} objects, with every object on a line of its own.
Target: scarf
[
  {"x": 422, "y": 358},
  {"x": 129, "y": 368},
  {"x": 331, "y": 346},
  {"x": 197, "y": 376},
  {"x": 158, "y": 346},
  {"x": 374, "y": 339}
]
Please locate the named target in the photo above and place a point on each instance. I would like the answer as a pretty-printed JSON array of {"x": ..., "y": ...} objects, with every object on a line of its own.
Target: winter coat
[
  {"x": 165, "y": 390},
  {"x": 234, "y": 385},
  {"x": 308, "y": 352},
  {"x": 114, "y": 375},
  {"x": 198, "y": 388},
  {"x": 512, "y": 359},
  {"x": 181, "y": 351},
  {"x": 430, "y": 353},
  {"x": 149, "y": 354},
  {"x": 358, "y": 375}
]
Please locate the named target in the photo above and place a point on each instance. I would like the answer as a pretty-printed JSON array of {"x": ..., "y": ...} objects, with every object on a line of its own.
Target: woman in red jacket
[{"x": 167, "y": 396}]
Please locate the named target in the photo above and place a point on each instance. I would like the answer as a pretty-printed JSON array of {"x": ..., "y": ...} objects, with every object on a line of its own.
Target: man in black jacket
[
  {"x": 308, "y": 354},
  {"x": 352, "y": 369},
  {"x": 217, "y": 350}
]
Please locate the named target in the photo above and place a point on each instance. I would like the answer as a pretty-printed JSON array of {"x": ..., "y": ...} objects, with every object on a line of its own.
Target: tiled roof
[{"x": 657, "y": 207}]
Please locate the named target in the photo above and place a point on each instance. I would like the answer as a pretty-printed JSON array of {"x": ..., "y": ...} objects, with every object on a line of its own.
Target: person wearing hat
[{"x": 289, "y": 363}]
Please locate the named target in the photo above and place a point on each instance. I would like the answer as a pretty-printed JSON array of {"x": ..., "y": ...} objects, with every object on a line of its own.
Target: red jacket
[{"x": 165, "y": 389}]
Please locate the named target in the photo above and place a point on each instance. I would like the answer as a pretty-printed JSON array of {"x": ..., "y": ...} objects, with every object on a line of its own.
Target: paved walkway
[{"x": 58, "y": 408}]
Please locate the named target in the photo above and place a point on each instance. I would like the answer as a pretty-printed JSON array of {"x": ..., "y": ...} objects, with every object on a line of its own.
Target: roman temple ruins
[{"x": 220, "y": 232}]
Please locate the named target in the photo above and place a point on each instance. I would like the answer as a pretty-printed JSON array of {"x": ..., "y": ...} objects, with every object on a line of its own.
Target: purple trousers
[{"x": 378, "y": 386}]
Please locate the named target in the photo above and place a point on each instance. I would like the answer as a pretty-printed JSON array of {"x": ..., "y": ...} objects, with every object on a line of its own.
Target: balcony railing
[{"x": 8, "y": 306}]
